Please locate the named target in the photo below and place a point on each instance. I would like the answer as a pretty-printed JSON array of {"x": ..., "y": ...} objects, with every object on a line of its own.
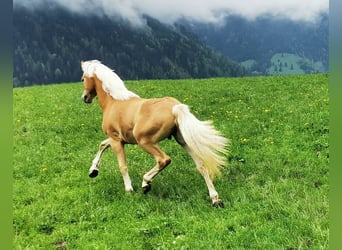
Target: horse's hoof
[
  {"x": 93, "y": 173},
  {"x": 218, "y": 203},
  {"x": 129, "y": 190},
  {"x": 146, "y": 188}
]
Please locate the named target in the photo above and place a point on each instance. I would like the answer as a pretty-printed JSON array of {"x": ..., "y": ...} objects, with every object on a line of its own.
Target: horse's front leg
[
  {"x": 118, "y": 148},
  {"x": 94, "y": 171}
]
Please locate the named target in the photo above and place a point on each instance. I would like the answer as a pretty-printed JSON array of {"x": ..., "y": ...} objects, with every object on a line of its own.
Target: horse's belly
[
  {"x": 119, "y": 134},
  {"x": 128, "y": 137}
]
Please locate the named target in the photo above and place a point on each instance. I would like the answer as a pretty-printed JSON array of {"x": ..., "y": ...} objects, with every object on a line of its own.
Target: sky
[{"x": 204, "y": 11}]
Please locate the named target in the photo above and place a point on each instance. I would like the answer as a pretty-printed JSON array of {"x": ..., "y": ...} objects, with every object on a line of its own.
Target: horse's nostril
[{"x": 86, "y": 98}]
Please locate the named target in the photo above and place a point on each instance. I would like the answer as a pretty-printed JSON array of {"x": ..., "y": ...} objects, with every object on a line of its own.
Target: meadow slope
[{"x": 275, "y": 187}]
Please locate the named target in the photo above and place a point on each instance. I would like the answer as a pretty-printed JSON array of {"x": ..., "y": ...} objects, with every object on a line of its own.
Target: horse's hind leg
[
  {"x": 162, "y": 160},
  {"x": 94, "y": 171},
  {"x": 216, "y": 201}
]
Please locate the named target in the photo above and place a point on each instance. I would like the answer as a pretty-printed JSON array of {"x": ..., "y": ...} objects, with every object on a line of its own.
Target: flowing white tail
[{"x": 203, "y": 140}]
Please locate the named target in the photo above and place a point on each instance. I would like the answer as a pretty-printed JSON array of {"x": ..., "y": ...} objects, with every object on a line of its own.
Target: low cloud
[{"x": 212, "y": 11}]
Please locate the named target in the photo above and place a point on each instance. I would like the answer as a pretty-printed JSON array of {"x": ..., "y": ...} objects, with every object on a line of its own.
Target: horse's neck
[{"x": 103, "y": 97}]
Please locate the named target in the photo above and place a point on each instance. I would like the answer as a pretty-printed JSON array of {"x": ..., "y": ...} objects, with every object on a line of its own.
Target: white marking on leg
[
  {"x": 162, "y": 159},
  {"x": 148, "y": 177},
  {"x": 103, "y": 146},
  {"x": 204, "y": 172},
  {"x": 128, "y": 183},
  {"x": 125, "y": 176},
  {"x": 212, "y": 191},
  {"x": 119, "y": 150}
]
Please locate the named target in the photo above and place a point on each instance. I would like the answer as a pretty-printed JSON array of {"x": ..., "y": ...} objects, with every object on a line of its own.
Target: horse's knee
[{"x": 104, "y": 144}]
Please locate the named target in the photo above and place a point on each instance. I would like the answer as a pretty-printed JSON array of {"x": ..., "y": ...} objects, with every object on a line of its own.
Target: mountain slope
[
  {"x": 49, "y": 44},
  {"x": 261, "y": 39}
]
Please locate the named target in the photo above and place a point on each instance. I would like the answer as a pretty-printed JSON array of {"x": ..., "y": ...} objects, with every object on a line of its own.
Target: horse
[{"x": 130, "y": 119}]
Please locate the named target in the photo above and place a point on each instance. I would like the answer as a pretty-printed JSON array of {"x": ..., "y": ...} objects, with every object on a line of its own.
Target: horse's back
[
  {"x": 158, "y": 109},
  {"x": 156, "y": 104},
  {"x": 155, "y": 119}
]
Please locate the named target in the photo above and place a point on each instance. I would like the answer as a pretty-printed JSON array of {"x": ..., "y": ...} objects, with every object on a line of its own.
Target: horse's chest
[{"x": 120, "y": 130}]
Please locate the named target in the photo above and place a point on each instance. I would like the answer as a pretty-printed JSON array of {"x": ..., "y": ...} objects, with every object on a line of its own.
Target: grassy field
[{"x": 275, "y": 187}]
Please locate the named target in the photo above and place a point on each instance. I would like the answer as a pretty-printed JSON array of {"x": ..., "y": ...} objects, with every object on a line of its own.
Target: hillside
[
  {"x": 50, "y": 41},
  {"x": 275, "y": 187},
  {"x": 261, "y": 39}
]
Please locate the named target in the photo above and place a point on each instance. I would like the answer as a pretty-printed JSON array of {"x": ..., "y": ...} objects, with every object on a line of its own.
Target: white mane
[{"x": 111, "y": 82}]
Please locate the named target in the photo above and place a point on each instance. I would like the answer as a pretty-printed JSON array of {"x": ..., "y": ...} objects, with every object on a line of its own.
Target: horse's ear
[{"x": 81, "y": 63}]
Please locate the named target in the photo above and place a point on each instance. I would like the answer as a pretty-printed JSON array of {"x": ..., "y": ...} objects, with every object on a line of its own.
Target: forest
[
  {"x": 50, "y": 43},
  {"x": 260, "y": 39}
]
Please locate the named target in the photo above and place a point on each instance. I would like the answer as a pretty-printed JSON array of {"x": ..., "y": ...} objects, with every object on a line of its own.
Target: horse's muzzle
[{"x": 86, "y": 98}]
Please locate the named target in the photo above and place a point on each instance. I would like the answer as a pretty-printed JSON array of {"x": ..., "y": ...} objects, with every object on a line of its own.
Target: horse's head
[{"x": 89, "y": 91}]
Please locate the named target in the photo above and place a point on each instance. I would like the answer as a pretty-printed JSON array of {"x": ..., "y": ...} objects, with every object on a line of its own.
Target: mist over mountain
[
  {"x": 50, "y": 41},
  {"x": 260, "y": 39},
  {"x": 201, "y": 11},
  {"x": 52, "y": 36}
]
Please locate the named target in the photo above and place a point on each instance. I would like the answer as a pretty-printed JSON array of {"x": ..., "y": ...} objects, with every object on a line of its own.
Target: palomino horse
[{"x": 129, "y": 119}]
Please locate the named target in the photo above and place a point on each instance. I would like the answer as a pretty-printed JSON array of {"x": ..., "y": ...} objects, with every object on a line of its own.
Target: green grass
[{"x": 275, "y": 187}]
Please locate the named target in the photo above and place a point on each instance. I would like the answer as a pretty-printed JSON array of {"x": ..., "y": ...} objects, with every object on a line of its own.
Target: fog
[{"x": 204, "y": 11}]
